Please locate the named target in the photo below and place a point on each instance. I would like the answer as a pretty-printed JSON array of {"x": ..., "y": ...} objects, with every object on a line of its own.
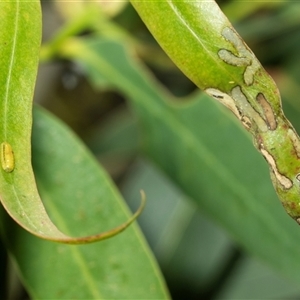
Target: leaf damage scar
[
  {"x": 237, "y": 102},
  {"x": 285, "y": 182},
  {"x": 247, "y": 109},
  {"x": 225, "y": 99},
  {"x": 268, "y": 111},
  {"x": 244, "y": 56}
]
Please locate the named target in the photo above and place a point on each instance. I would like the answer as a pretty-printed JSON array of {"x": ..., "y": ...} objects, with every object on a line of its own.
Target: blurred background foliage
[{"x": 199, "y": 259}]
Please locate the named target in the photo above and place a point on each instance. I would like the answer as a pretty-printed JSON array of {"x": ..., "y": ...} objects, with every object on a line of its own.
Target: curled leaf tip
[
  {"x": 143, "y": 202},
  {"x": 110, "y": 233}
]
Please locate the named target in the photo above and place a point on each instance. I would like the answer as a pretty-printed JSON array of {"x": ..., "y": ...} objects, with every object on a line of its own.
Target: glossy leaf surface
[
  {"x": 20, "y": 45},
  {"x": 122, "y": 267},
  {"x": 193, "y": 144}
]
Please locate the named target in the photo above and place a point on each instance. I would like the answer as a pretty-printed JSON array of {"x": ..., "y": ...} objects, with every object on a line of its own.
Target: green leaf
[
  {"x": 204, "y": 150},
  {"x": 20, "y": 44},
  {"x": 229, "y": 72},
  {"x": 193, "y": 251},
  {"x": 119, "y": 268}
]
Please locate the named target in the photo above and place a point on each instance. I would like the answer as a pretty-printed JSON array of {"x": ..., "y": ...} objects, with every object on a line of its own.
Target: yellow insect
[{"x": 7, "y": 157}]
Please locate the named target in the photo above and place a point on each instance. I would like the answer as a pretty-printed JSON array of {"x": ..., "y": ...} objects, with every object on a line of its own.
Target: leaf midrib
[{"x": 11, "y": 63}]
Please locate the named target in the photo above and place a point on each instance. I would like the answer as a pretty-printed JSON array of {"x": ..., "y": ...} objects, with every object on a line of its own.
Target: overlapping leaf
[
  {"x": 203, "y": 159},
  {"x": 85, "y": 203},
  {"x": 20, "y": 44}
]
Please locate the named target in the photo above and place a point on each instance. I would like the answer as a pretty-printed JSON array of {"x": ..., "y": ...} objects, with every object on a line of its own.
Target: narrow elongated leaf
[
  {"x": 203, "y": 43},
  {"x": 211, "y": 164},
  {"x": 88, "y": 202},
  {"x": 20, "y": 44}
]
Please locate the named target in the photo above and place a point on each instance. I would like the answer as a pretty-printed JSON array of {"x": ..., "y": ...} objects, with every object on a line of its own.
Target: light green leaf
[
  {"x": 85, "y": 203},
  {"x": 204, "y": 150},
  {"x": 205, "y": 46},
  {"x": 20, "y": 44}
]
